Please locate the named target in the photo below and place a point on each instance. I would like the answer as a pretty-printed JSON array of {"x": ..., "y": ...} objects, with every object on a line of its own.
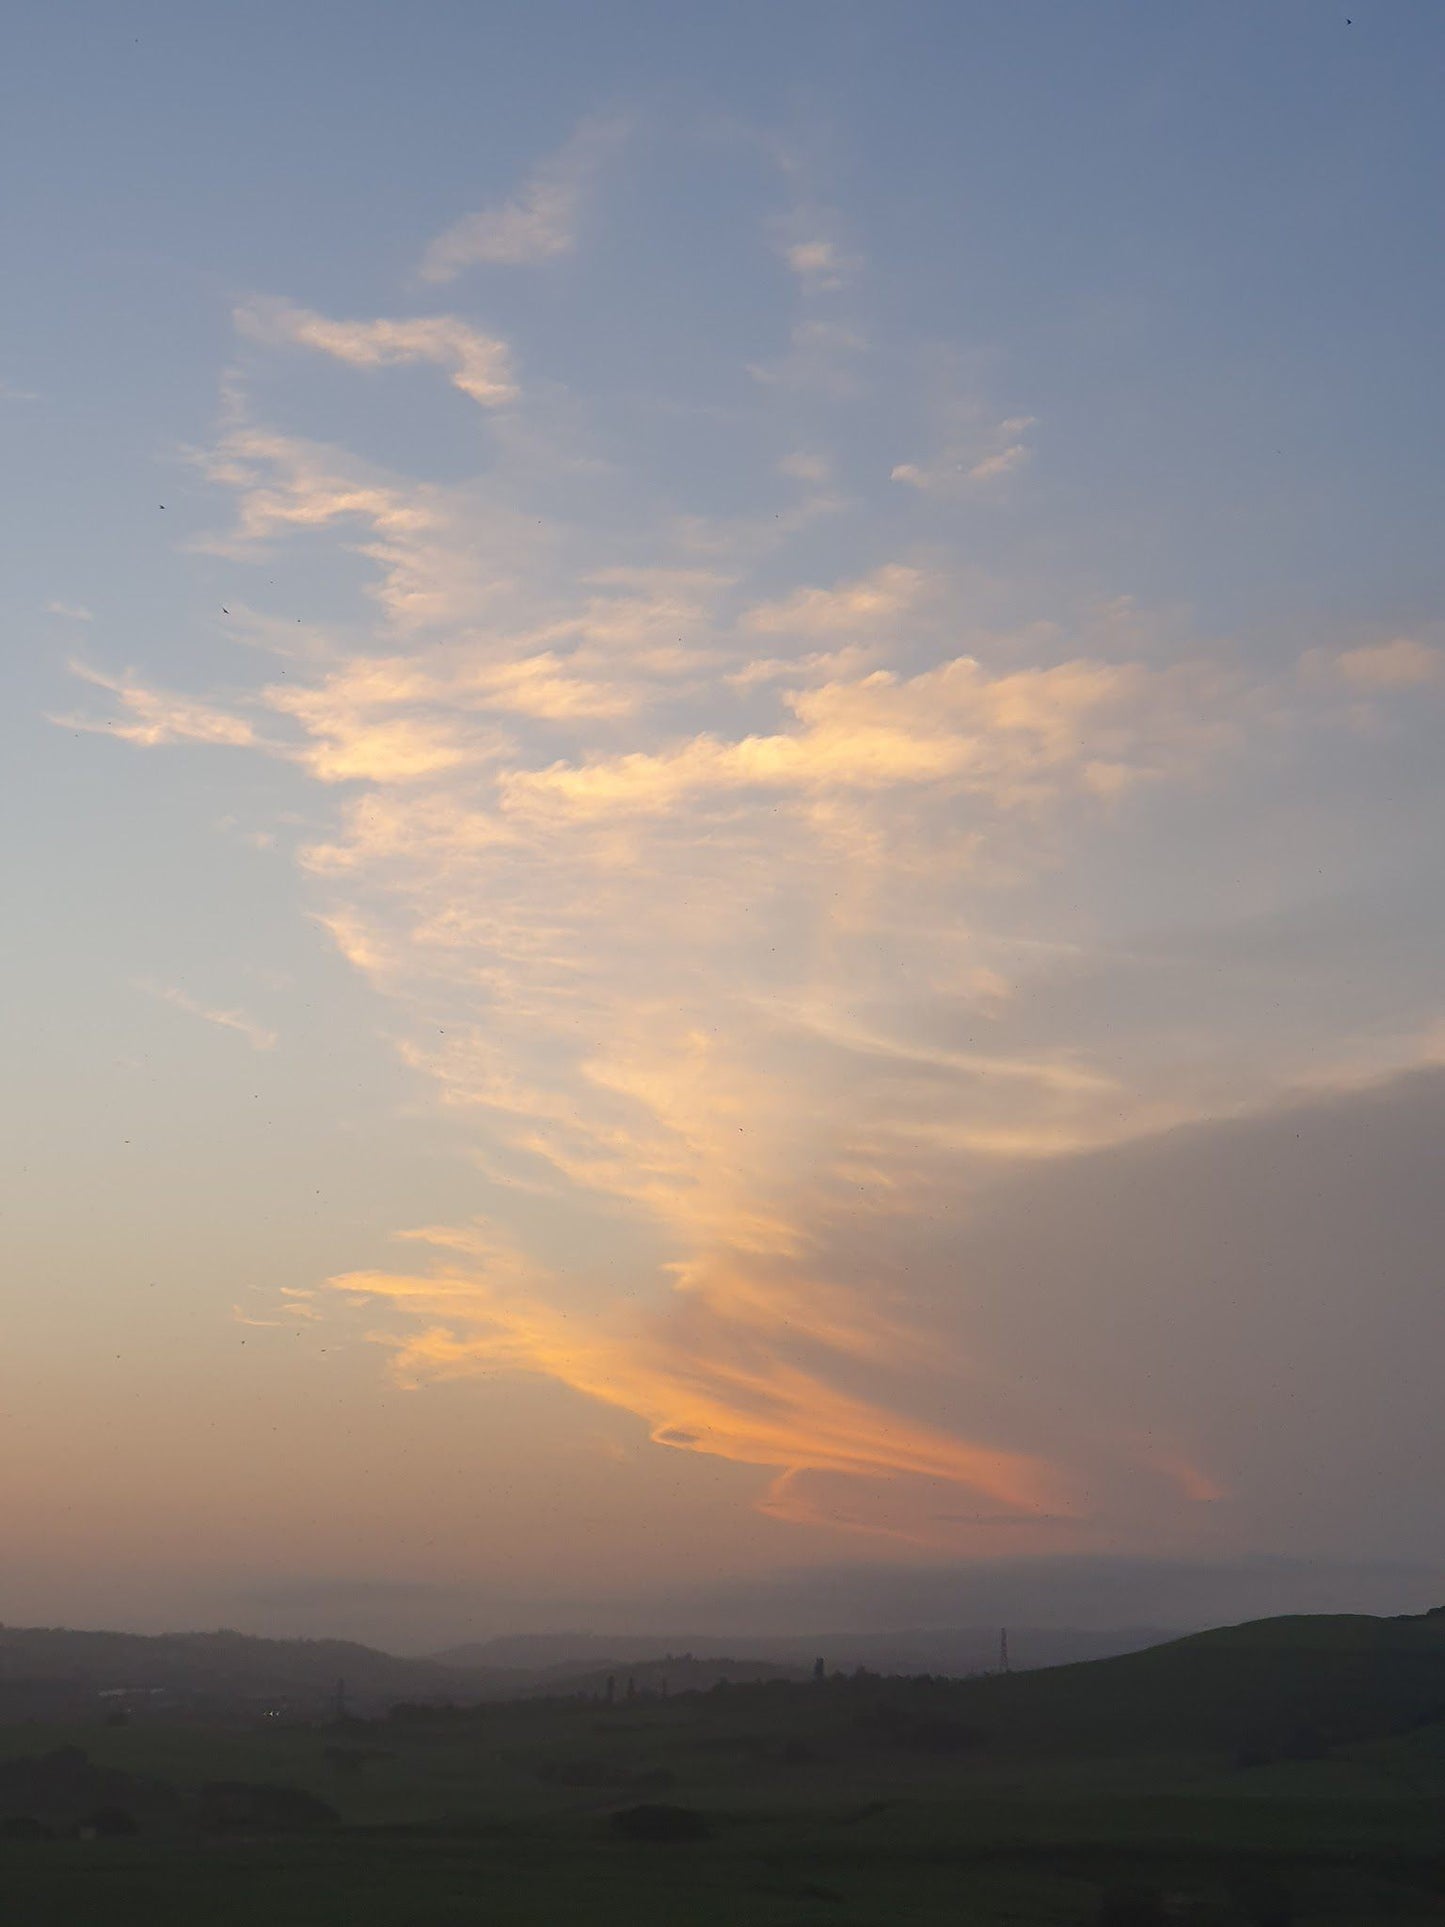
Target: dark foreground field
[{"x": 1288, "y": 1773}]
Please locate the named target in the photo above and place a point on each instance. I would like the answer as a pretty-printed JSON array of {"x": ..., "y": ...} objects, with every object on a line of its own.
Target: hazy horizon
[
  {"x": 722, "y": 736},
  {"x": 1069, "y": 1595}
]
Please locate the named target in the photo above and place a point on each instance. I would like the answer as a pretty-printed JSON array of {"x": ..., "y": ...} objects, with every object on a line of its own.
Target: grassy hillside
[
  {"x": 1295, "y": 1685},
  {"x": 859, "y": 1801}
]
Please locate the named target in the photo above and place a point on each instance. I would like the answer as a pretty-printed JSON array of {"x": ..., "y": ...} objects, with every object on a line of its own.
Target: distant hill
[
  {"x": 1272, "y": 1689},
  {"x": 45, "y": 1666},
  {"x": 51, "y": 1670}
]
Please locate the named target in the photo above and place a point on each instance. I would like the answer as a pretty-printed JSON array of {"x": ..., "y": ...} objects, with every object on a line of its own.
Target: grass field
[{"x": 1024, "y": 1799}]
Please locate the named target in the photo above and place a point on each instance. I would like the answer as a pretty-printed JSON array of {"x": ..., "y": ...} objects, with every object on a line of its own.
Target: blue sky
[{"x": 739, "y": 646}]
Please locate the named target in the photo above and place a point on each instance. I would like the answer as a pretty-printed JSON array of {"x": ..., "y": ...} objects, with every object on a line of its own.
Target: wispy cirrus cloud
[
  {"x": 1402, "y": 663},
  {"x": 1033, "y": 734},
  {"x": 664, "y": 955},
  {"x": 805, "y": 465},
  {"x": 258, "y": 1035},
  {"x": 875, "y": 602},
  {"x": 726, "y": 901},
  {"x": 542, "y": 221},
  {"x": 808, "y": 233},
  {"x": 703, "y": 1381},
  {"x": 821, "y": 355},
  {"x": 153, "y": 716},
  {"x": 479, "y": 365},
  {"x": 987, "y": 455}
]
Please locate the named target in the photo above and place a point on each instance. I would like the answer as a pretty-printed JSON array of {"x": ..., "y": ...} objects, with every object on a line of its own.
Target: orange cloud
[
  {"x": 700, "y": 1383},
  {"x": 1089, "y": 725}
]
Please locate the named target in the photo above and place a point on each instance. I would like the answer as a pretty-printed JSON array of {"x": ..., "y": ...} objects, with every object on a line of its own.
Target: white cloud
[
  {"x": 821, "y": 265},
  {"x": 541, "y": 222},
  {"x": 478, "y": 364},
  {"x": 981, "y": 457},
  {"x": 1401, "y": 664},
  {"x": 989, "y": 468},
  {"x": 806, "y": 233}
]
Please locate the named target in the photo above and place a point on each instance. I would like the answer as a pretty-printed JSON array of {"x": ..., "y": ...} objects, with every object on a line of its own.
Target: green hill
[{"x": 1277, "y": 1687}]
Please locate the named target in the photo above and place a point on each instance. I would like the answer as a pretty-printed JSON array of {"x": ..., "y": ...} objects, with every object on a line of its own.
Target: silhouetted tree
[
  {"x": 24, "y": 1826},
  {"x": 108, "y": 1823}
]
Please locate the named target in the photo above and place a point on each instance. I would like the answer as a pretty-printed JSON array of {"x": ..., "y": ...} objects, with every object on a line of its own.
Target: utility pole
[{"x": 1003, "y": 1665}]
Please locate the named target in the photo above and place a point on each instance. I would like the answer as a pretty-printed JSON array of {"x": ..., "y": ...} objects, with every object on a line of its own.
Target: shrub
[
  {"x": 108, "y": 1823},
  {"x": 226, "y": 1804},
  {"x": 661, "y": 1824},
  {"x": 654, "y": 1779}
]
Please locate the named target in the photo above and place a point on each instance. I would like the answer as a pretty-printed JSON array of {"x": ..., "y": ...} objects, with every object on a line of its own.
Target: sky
[{"x": 721, "y": 745}]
